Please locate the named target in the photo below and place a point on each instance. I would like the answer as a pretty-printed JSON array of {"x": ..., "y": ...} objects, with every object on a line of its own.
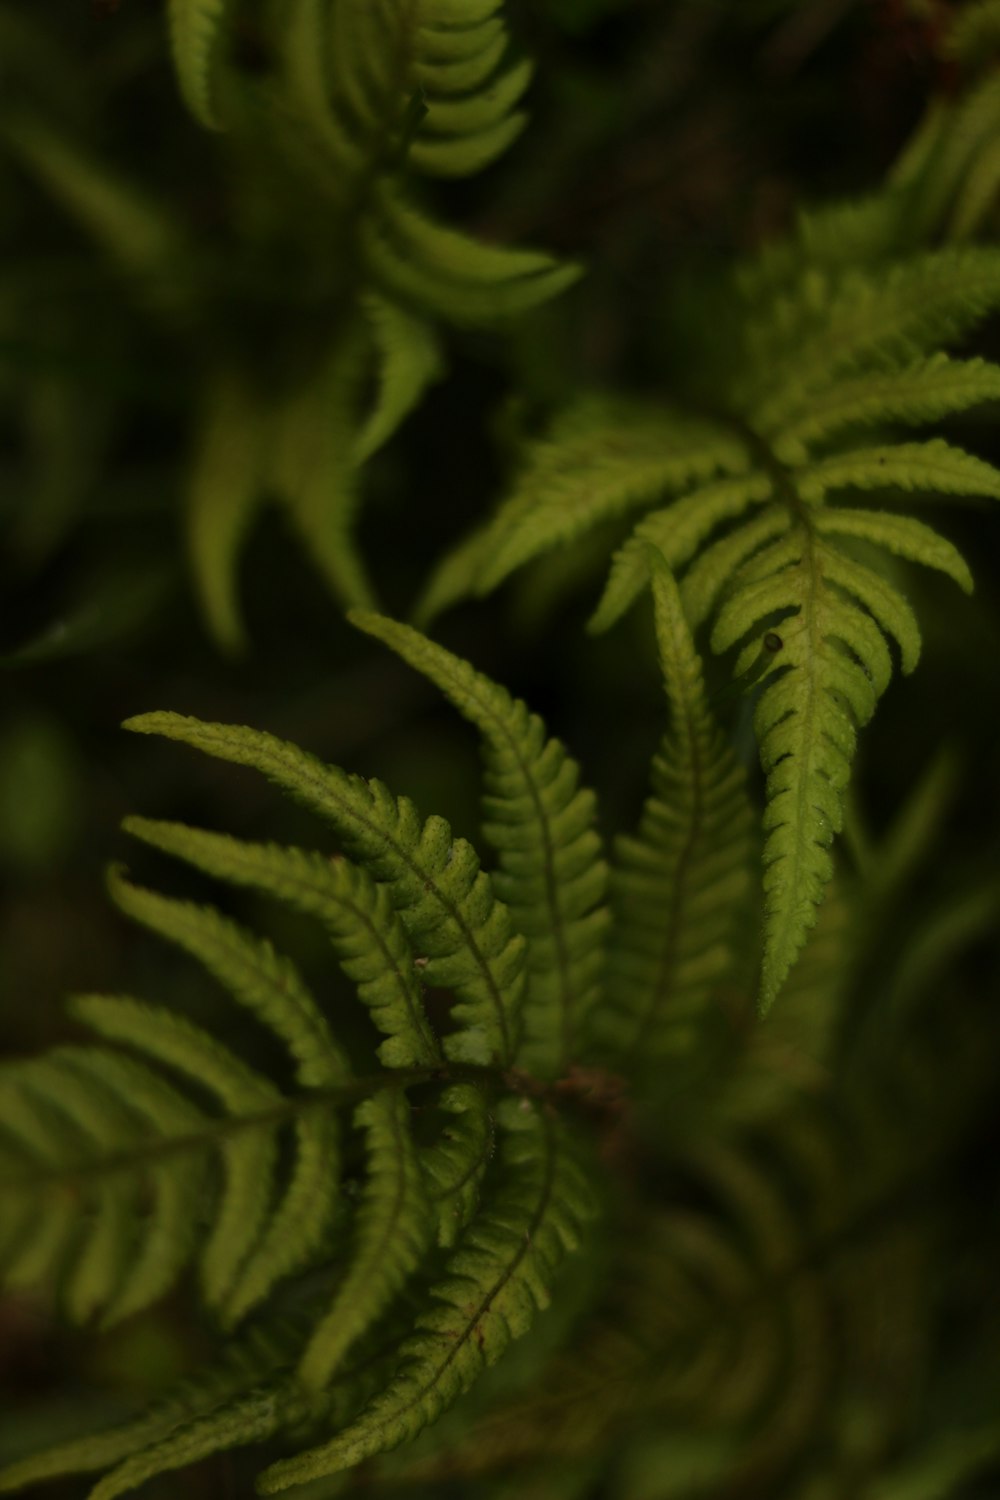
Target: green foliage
[
  {"x": 351, "y": 108},
  {"x": 504, "y": 1185},
  {"x": 770, "y": 553}
]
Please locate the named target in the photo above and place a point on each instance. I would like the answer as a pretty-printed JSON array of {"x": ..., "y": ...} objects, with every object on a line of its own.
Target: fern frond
[
  {"x": 445, "y": 901},
  {"x": 248, "y": 1419},
  {"x": 197, "y": 37},
  {"x": 551, "y": 873},
  {"x": 822, "y": 686},
  {"x": 394, "y": 1227},
  {"x": 357, "y": 914},
  {"x": 224, "y": 491},
  {"x": 678, "y": 885},
  {"x": 409, "y": 360},
  {"x": 497, "y": 1279}
]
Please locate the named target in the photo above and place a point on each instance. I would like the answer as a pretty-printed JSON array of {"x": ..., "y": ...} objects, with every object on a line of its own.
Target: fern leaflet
[{"x": 445, "y": 901}]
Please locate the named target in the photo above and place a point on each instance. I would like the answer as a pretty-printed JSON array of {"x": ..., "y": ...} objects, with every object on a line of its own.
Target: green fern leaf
[
  {"x": 709, "y": 575},
  {"x": 197, "y": 35},
  {"x": 899, "y": 534},
  {"x": 44, "y": 1188},
  {"x": 934, "y": 467},
  {"x": 679, "y": 884},
  {"x": 224, "y": 490},
  {"x": 815, "y": 697},
  {"x": 410, "y": 360},
  {"x": 446, "y": 902},
  {"x": 394, "y": 1227},
  {"x": 498, "y": 1277},
  {"x": 551, "y": 873},
  {"x": 357, "y": 914}
]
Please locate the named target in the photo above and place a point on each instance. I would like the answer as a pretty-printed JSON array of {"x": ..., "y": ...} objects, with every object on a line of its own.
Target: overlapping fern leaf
[
  {"x": 681, "y": 883},
  {"x": 422, "y": 1253},
  {"x": 779, "y": 527}
]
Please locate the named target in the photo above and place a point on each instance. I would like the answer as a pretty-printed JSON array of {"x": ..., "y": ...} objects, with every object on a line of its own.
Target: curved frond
[
  {"x": 394, "y": 1227},
  {"x": 197, "y": 36},
  {"x": 551, "y": 873},
  {"x": 678, "y": 885},
  {"x": 445, "y": 901},
  {"x": 822, "y": 686},
  {"x": 497, "y": 1279}
]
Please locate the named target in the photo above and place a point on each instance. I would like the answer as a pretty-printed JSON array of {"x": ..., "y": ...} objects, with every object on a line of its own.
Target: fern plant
[
  {"x": 373, "y": 1233},
  {"x": 768, "y": 472},
  {"x": 326, "y": 142},
  {"x": 513, "y": 1080}
]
